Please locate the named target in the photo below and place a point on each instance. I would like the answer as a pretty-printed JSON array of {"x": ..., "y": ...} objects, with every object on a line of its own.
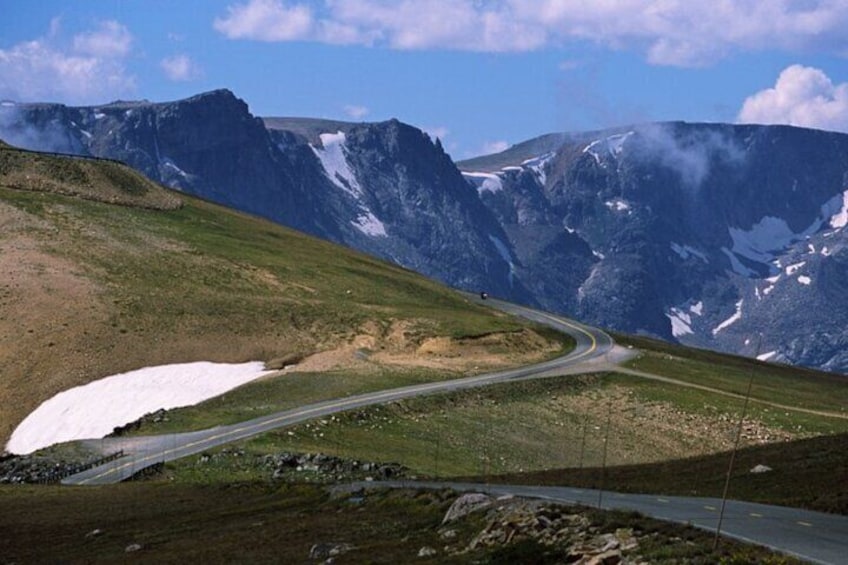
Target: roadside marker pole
[
  {"x": 604, "y": 460},
  {"x": 733, "y": 453}
]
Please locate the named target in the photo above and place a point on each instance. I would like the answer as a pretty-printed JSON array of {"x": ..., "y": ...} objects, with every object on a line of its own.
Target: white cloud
[
  {"x": 438, "y": 132},
  {"x": 356, "y": 112},
  {"x": 90, "y": 70},
  {"x": 667, "y": 32},
  {"x": 180, "y": 68},
  {"x": 266, "y": 20},
  {"x": 111, "y": 39},
  {"x": 802, "y": 96},
  {"x": 491, "y": 147}
]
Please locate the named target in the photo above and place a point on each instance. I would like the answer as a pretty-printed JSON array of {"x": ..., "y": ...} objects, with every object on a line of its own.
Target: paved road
[
  {"x": 141, "y": 452},
  {"x": 812, "y": 536}
]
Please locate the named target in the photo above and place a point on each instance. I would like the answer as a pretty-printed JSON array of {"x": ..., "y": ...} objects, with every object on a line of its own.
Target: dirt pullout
[{"x": 403, "y": 344}]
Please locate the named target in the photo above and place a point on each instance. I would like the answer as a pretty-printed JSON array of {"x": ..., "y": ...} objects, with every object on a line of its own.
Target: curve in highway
[
  {"x": 142, "y": 452},
  {"x": 812, "y": 536}
]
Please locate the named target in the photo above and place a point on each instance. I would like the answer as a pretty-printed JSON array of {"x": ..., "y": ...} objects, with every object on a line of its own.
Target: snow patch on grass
[{"x": 95, "y": 409}]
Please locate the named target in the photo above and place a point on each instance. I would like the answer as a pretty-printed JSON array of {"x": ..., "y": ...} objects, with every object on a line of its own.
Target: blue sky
[{"x": 479, "y": 74}]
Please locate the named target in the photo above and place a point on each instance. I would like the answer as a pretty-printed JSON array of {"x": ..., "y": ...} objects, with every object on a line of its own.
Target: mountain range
[{"x": 727, "y": 237}]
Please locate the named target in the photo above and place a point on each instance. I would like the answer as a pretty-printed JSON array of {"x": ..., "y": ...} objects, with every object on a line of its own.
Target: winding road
[
  {"x": 141, "y": 452},
  {"x": 812, "y": 536}
]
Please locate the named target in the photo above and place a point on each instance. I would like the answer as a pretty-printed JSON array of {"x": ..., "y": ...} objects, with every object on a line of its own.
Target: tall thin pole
[
  {"x": 604, "y": 460},
  {"x": 583, "y": 440},
  {"x": 733, "y": 453}
]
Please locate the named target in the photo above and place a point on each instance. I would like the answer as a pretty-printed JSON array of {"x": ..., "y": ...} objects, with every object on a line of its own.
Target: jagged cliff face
[
  {"x": 718, "y": 236},
  {"x": 726, "y": 237},
  {"x": 383, "y": 188}
]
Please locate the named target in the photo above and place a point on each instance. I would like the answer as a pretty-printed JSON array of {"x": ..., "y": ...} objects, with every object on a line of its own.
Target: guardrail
[{"x": 57, "y": 475}]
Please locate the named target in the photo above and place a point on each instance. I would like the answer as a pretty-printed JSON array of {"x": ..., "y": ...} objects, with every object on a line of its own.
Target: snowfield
[{"x": 95, "y": 409}]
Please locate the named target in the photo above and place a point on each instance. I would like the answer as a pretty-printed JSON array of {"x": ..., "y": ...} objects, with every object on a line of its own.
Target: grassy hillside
[
  {"x": 662, "y": 436},
  {"x": 92, "y": 289}
]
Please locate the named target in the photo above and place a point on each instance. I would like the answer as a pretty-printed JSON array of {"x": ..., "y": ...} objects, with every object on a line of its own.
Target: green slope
[{"x": 94, "y": 289}]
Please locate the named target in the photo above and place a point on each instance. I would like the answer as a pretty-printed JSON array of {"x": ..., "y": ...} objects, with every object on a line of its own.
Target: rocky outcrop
[
  {"x": 384, "y": 188},
  {"x": 729, "y": 237},
  {"x": 510, "y": 521},
  {"x": 718, "y": 236},
  {"x": 309, "y": 467}
]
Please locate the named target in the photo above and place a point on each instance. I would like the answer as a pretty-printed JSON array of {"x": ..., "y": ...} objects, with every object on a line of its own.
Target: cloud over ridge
[
  {"x": 90, "y": 69},
  {"x": 802, "y": 96},
  {"x": 667, "y": 32}
]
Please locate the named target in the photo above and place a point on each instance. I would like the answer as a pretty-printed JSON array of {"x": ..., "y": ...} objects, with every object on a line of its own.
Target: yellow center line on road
[
  {"x": 755, "y": 515},
  {"x": 805, "y": 524},
  {"x": 711, "y": 508},
  {"x": 663, "y": 500}
]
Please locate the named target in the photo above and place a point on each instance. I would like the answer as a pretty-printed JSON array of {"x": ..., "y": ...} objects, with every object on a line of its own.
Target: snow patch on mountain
[
  {"x": 369, "y": 224},
  {"x": 484, "y": 182},
  {"x": 766, "y": 237},
  {"x": 609, "y": 146},
  {"x": 333, "y": 158},
  {"x": 681, "y": 317},
  {"x": 169, "y": 164},
  {"x": 766, "y": 356},
  {"x": 805, "y": 280},
  {"x": 681, "y": 322},
  {"x": 537, "y": 165},
  {"x": 840, "y": 218},
  {"x": 732, "y": 319},
  {"x": 617, "y": 205},
  {"x": 792, "y": 269},
  {"x": 767, "y": 290}
]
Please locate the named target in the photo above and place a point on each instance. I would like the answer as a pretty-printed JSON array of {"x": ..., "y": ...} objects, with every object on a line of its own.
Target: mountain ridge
[{"x": 659, "y": 229}]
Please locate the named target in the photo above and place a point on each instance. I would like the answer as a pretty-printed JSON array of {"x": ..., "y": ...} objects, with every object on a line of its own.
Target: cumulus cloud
[
  {"x": 180, "y": 68},
  {"x": 90, "y": 69},
  {"x": 356, "y": 112},
  {"x": 667, "y": 32},
  {"x": 111, "y": 39},
  {"x": 802, "y": 96},
  {"x": 266, "y": 20}
]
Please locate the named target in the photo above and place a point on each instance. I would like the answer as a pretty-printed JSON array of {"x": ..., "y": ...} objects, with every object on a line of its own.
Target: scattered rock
[
  {"x": 94, "y": 533},
  {"x": 329, "y": 468},
  {"x": 327, "y": 550},
  {"x": 448, "y": 534},
  {"x": 156, "y": 417},
  {"x": 760, "y": 469},
  {"x": 515, "y": 520},
  {"x": 133, "y": 547},
  {"x": 18, "y": 469},
  {"x": 466, "y": 504},
  {"x": 426, "y": 552}
]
